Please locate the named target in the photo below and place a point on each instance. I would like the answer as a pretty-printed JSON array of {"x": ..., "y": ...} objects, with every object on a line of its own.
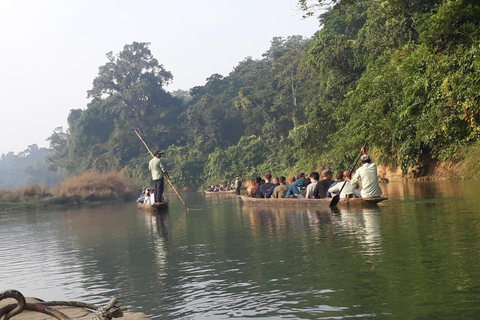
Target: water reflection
[
  {"x": 361, "y": 225},
  {"x": 158, "y": 229},
  {"x": 403, "y": 259}
]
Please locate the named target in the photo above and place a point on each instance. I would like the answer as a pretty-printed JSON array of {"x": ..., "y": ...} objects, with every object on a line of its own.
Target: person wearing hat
[
  {"x": 156, "y": 168},
  {"x": 237, "y": 185},
  {"x": 322, "y": 186},
  {"x": 367, "y": 173}
]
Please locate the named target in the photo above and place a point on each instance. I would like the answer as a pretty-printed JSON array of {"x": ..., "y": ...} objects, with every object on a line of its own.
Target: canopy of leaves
[{"x": 400, "y": 75}]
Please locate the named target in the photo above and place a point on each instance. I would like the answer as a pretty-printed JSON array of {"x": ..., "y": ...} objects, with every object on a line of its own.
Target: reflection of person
[
  {"x": 367, "y": 173},
  {"x": 156, "y": 168}
]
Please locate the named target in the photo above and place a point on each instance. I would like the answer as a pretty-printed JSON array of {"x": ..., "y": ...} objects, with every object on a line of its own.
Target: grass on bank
[{"x": 91, "y": 187}]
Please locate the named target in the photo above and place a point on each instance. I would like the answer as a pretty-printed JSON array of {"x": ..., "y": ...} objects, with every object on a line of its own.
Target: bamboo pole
[{"x": 164, "y": 173}]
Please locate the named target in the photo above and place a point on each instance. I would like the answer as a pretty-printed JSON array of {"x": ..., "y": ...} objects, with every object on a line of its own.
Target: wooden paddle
[
  {"x": 164, "y": 173},
  {"x": 336, "y": 198}
]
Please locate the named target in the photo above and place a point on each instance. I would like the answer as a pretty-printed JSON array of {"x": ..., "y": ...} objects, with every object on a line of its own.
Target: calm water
[{"x": 415, "y": 256}]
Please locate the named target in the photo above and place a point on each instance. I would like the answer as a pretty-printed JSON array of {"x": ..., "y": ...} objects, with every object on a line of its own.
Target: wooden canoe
[
  {"x": 310, "y": 202},
  {"x": 163, "y": 206},
  {"x": 222, "y": 192}
]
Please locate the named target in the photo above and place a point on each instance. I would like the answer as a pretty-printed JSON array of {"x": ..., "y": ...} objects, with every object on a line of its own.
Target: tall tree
[{"x": 128, "y": 93}]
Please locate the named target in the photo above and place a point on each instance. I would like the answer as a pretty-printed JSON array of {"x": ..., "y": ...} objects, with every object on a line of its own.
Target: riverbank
[
  {"x": 461, "y": 165},
  {"x": 91, "y": 188}
]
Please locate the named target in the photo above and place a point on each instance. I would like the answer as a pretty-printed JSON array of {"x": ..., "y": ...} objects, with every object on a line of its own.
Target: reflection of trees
[{"x": 405, "y": 190}]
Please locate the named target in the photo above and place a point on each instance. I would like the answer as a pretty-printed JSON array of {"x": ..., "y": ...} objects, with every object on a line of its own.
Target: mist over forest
[{"x": 400, "y": 75}]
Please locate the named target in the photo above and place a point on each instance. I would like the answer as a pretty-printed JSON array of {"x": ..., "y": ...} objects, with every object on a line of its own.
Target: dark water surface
[{"x": 415, "y": 256}]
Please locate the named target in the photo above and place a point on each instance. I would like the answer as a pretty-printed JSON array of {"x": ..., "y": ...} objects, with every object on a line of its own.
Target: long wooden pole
[{"x": 164, "y": 173}]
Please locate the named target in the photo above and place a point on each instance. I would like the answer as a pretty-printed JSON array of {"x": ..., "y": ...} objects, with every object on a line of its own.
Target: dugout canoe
[
  {"x": 310, "y": 202},
  {"x": 222, "y": 192},
  {"x": 156, "y": 208}
]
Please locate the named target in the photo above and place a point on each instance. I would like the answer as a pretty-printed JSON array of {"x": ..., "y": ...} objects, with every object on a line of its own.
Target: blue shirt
[{"x": 295, "y": 188}]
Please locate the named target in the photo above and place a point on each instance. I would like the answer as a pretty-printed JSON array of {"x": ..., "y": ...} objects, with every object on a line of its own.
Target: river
[{"x": 415, "y": 256}]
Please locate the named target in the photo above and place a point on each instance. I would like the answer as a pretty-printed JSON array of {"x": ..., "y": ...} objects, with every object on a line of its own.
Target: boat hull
[
  {"x": 162, "y": 207},
  {"x": 221, "y": 192},
  {"x": 310, "y": 202}
]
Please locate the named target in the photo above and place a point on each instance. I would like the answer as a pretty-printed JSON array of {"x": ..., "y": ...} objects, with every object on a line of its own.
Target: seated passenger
[
  {"x": 141, "y": 198},
  {"x": 152, "y": 197},
  {"x": 266, "y": 186},
  {"x": 146, "y": 200},
  {"x": 281, "y": 190},
  {"x": 256, "y": 187},
  {"x": 322, "y": 186},
  {"x": 314, "y": 176},
  {"x": 295, "y": 189},
  {"x": 346, "y": 187},
  {"x": 270, "y": 190},
  {"x": 339, "y": 178}
]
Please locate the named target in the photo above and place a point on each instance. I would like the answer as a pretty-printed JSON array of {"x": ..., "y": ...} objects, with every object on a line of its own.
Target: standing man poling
[
  {"x": 156, "y": 168},
  {"x": 238, "y": 185}
]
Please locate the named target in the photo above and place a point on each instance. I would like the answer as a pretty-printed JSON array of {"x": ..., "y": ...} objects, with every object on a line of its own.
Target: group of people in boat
[
  {"x": 236, "y": 185},
  {"x": 147, "y": 197},
  {"x": 220, "y": 187},
  {"x": 321, "y": 185}
]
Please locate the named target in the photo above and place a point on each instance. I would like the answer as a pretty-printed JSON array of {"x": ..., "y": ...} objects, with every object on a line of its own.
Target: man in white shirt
[
  {"x": 367, "y": 173},
  {"x": 314, "y": 177},
  {"x": 347, "y": 190}
]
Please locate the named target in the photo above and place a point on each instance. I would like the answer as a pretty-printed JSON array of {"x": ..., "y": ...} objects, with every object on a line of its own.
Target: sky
[{"x": 50, "y": 50}]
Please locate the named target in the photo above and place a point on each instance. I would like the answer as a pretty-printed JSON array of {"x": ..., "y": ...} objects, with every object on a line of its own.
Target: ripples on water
[{"x": 224, "y": 260}]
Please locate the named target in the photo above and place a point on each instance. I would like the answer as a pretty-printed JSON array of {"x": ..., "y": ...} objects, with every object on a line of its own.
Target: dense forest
[{"x": 402, "y": 75}]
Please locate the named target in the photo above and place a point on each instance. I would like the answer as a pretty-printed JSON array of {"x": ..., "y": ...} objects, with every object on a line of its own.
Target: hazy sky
[{"x": 50, "y": 50}]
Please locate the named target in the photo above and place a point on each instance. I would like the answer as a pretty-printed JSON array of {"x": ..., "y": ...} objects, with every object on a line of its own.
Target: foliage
[
  {"x": 127, "y": 94},
  {"x": 400, "y": 75}
]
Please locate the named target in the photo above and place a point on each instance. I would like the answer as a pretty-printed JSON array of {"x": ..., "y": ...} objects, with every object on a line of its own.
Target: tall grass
[
  {"x": 96, "y": 186},
  {"x": 29, "y": 192}
]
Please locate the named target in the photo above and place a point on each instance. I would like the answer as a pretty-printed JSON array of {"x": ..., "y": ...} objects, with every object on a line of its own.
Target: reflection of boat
[
  {"x": 162, "y": 207},
  {"x": 221, "y": 192},
  {"x": 310, "y": 202}
]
